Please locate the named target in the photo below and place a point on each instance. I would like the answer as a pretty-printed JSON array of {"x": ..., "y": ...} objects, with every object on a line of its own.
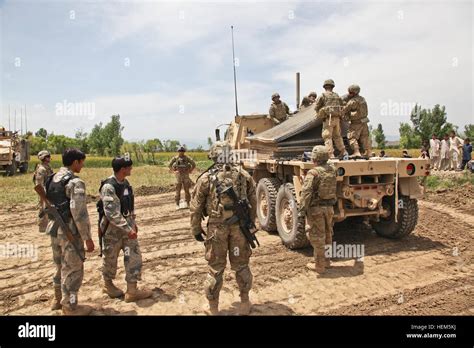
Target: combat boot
[
  {"x": 356, "y": 153},
  {"x": 77, "y": 310},
  {"x": 57, "y": 298},
  {"x": 320, "y": 266},
  {"x": 245, "y": 305},
  {"x": 133, "y": 294},
  {"x": 327, "y": 262},
  {"x": 111, "y": 290},
  {"x": 177, "y": 207},
  {"x": 213, "y": 307}
]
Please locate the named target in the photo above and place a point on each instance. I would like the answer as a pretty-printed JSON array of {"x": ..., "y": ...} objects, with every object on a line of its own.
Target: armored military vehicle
[
  {"x": 381, "y": 191},
  {"x": 14, "y": 152}
]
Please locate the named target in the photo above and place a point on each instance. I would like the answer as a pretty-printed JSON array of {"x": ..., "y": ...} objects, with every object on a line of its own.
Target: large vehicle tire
[
  {"x": 11, "y": 169},
  {"x": 24, "y": 167},
  {"x": 407, "y": 218},
  {"x": 290, "y": 228},
  {"x": 267, "y": 189}
]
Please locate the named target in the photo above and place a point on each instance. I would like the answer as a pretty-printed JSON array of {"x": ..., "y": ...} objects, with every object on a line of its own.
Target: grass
[
  {"x": 19, "y": 188},
  {"x": 435, "y": 182}
]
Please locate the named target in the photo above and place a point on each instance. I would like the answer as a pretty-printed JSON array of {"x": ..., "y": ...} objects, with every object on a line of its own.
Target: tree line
[
  {"x": 104, "y": 140},
  {"x": 423, "y": 124}
]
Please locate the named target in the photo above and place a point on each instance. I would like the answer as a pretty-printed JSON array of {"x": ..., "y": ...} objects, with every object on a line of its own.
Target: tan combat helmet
[
  {"x": 319, "y": 153},
  {"x": 312, "y": 94},
  {"x": 43, "y": 154},
  {"x": 354, "y": 89},
  {"x": 220, "y": 152},
  {"x": 329, "y": 82},
  {"x": 275, "y": 95},
  {"x": 181, "y": 149}
]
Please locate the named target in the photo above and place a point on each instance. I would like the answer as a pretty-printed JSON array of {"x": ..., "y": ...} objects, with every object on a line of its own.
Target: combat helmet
[
  {"x": 354, "y": 89},
  {"x": 275, "y": 95},
  {"x": 43, "y": 154},
  {"x": 312, "y": 94},
  {"x": 329, "y": 82},
  {"x": 181, "y": 149},
  {"x": 319, "y": 153},
  {"x": 220, "y": 152}
]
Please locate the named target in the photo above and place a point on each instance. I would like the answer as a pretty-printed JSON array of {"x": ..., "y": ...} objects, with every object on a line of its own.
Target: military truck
[
  {"x": 380, "y": 191},
  {"x": 14, "y": 152}
]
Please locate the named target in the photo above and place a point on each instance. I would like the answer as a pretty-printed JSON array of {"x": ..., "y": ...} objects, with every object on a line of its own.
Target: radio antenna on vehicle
[{"x": 235, "y": 76}]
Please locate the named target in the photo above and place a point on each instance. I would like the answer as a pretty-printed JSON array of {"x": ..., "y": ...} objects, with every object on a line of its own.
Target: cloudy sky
[{"x": 166, "y": 67}]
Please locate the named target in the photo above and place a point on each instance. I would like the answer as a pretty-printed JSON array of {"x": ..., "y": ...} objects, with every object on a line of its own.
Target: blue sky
[{"x": 178, "y": 83}]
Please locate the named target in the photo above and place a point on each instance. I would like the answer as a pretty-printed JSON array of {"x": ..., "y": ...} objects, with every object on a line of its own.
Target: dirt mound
[
  {"x": 153, "y": 190},
  {"x": 461, "y": 197}
]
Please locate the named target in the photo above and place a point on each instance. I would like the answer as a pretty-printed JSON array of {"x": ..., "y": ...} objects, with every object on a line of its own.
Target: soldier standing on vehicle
[
  {"x": 279, "y": 111},
  {"x": 182, "y": 166},
  {"x": 67, "y": 193},
  {"x": 305, "y": 102},
  {"x": 328, "y": 108},
  {"x": 42, "y": 172},
  {"x": 223, "y": 238},
  {"x": 119, "y": 232},
  {"x": 312, "y": 96},
  {"x": 318, "y": 197},
  {"x": 356, "y": 111}
]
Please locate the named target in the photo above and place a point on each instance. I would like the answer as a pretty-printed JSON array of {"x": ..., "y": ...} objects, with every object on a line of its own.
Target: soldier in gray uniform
[
  {"x": 119, "y": 231},
  {"x": 67, "y": 193}
]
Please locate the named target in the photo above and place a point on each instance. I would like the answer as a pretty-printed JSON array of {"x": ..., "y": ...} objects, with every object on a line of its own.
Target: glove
[{"x": 199, "y": 237}]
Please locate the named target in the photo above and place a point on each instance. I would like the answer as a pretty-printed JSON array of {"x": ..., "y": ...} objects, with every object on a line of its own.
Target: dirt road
[{"x": 428, "y": 273}]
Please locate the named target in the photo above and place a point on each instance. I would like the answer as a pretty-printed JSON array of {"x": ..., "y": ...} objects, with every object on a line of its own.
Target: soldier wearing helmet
[
  {"x": 182, "y": 165},
  {"x": 223, "y": 239},
  {"x": 355, "y": 111},
  {"x": 312, "y": 96},
  {"x": 42, "y": 172},
  {"x": 279, "y": 111},
  {"x": 328, "y": 108},
  {"x": 318, "y": 197}
]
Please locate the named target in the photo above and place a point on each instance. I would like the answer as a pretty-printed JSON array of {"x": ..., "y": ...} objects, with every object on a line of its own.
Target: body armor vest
[
  {"x": 56, "y": 194},
  {"x": 326, "y": 190}
]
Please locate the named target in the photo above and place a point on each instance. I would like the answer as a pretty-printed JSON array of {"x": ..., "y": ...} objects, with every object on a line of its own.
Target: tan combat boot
[
  {"x": 320, "y": 266},
  {"x": 245, "y": 305},
  {"x": 77, "y": 310},
  {"x": 133, "y": 294},
  {"x": 57, "y": 298},
  {"x": 111, "y": 290},
  {"x": 213, "y": 307}
]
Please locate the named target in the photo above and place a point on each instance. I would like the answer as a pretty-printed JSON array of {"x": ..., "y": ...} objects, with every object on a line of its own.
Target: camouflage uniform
[
  {"x": 116, "y": 237},
  {"x": 221, "y": 239},
  {"x": 42, "y": 172},
  {"x": 278, "y": 113},
  {"x": 318, "y": 197},
  {"x": 69, "y": 266},
  {"x": 182, "y": 166},
  {"x": 328, "y": 108},
  {"x": 355, "y": 110}
]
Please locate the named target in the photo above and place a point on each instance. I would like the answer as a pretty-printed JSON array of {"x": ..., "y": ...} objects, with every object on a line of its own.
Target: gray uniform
[
  {"x": 116, "y": 237},
  {"x": 69, "y": 266}
]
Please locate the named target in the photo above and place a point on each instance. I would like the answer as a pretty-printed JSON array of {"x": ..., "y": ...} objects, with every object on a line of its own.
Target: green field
[{"x": 19, "y": 188}]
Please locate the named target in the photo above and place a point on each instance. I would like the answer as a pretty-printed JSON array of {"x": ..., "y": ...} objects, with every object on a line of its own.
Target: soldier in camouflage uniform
[
  {"x": 68, "y": 191},
  {"x": 312, "y": 96},
  {"x": 182, "y": 166},
  {"x": 223, "y": 240},
  {"x": 119, "y": 232},
  {"x": 355, "y": 110},
  {"x": 318, "y": 197},
  {"x": 42, "y": 172},
  {"x": 328, "y": 108},
  {"x": 279, "y": 111}
]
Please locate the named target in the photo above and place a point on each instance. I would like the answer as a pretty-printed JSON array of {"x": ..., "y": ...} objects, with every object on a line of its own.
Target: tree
[
  {"x": 469, "y": 131},
  {"x": 151, "y": 147},
  {"x": 379, "y": 136},
  {"x": 81, "y": 138},
  {"x": 209, "y": 142},
  {"x": 408, "y": 137},
  {"x": 170, "y": 145},
  {"x": 41, "y": 133},
  {"x": 427, "y": 122},
  {"x": 107, "y": 140}
]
